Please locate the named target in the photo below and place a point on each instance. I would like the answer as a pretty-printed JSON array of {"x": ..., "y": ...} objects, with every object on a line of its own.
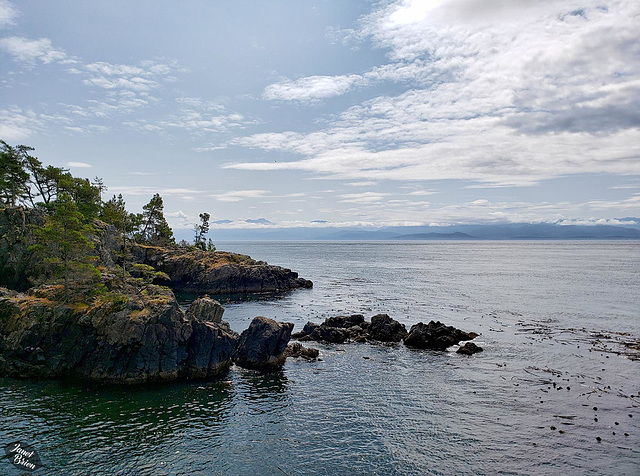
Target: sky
[{"x": 333, "y": 113}]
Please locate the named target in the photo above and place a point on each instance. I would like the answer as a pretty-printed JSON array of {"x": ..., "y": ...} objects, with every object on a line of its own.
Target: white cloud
[
  {"x": 496, "y": 96},
  {"x": 237, "y": 195},
  {"x": 146, "y": 190},
  {"x": 311, "y": 88},
  {"x": 80, "y": 165},
  {"x": 31, "y": 51},
  {"x": 8, "y": 13},
  {"x": 364, "y": 197}
]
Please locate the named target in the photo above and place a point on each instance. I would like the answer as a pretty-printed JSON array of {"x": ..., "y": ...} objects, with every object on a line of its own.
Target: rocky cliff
[{"x": 123, "y": 339}]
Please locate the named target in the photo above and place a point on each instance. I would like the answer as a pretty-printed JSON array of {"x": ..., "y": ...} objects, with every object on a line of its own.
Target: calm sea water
[{"x": 554, "y": 318}]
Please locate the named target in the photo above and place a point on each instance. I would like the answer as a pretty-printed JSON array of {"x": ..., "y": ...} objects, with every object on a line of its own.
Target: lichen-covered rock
[
  {"x": 206, "y": 309},
  {"x": 262, "y": 345},
  {"x": 385, "y": 329},
  {"x": 116, "y": 338},
  {"x": 435, "y": 335}
]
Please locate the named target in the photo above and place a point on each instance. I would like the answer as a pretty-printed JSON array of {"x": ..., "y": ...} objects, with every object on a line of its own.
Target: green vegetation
[{"x": 50, "y": 228}]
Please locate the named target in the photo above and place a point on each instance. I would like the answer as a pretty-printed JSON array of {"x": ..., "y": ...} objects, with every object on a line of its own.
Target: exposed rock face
[
  {"x": 385, "y": 329},
  {"x": 127, "y": 339},
  {"x": 296, "y": 350},
  {"x": 436, "y": 336},
  {"x": 262, "y": 345},
  {"x": 469, "y": 349},
  {"x": 206, "y": 309},
  {"x": 217, "y": 273}
]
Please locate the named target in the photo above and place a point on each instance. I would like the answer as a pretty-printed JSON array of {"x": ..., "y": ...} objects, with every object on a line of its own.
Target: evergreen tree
[
  {"x": 115, "y": 213},
  {"x": 14, "y": 177},
  {"x": 63, "y": 242},
  {"x": 154, "y": 228},
  {"x": 201, "y": 230}
]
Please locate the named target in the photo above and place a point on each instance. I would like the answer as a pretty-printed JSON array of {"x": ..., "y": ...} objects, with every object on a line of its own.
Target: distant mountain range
[{"x": 507, "y": 231}]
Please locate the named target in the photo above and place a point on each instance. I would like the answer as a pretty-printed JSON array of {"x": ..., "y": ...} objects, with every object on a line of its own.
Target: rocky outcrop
[
  {"x": 118, "y": 338},
  {"x": 206, "y": 309},
  {"x": 469, "y": 349},
  {"x": 198, "y": 271},
  {"x": 382, "y": 328},
  {"x": 297, "y": 350},
  {"x": 436, "y": 336},
  {"x": 353, "y": 328},
  {"x": 385, "y": 329},
  {"x": 262, "y": 345}
]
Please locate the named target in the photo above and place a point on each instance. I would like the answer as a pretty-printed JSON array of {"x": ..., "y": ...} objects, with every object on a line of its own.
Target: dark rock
[
  {"x": 333, "y": 335},
  {"x": 298, "y": 350},
  {"x": 385, "y": 329},
  {"x": 469, "y": 349},
  {"x": 343, "y": 322},
  {"x": 306, "y": 330},
  {"x": 206, "y": 309},
  {"x": 434, "y": 335},
  {"x": 120, "y": 338},
  {"x": 262, "y": 345},
  {"x": 356, "y": 332},
  {"x": 219, "y": 272}
]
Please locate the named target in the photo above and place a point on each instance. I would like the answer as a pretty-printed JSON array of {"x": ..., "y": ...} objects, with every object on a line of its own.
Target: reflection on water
[{"x": 385, "y": 410}]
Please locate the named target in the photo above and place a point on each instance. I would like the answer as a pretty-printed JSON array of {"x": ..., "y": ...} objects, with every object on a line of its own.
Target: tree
[
  {"x": 115, "y": 213},
  {"x": 63, "y": 243},
  {"x": 201, "y": 230},
  {"x": 154, "y": 228},
  {"x": 14, "y": 178}
]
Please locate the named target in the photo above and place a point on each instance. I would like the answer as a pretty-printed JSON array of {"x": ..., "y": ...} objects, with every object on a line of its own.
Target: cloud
[
  {"x": 145, "y": 190},
  {"x": 30, "y": 52},
  {"x": 364, "y": 197},
  {"x": 496, "y": 96},
  {"x": 8, "y": 14},
  {"x": 310, "y": 88},
  {"x": 80, "y": 165},
  {"x": 237, "y": 195}
]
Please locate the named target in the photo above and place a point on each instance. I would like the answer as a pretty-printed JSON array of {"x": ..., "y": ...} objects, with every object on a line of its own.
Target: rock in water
[
  {"x": 306, "y": 331},
  {"x": 436, "y": 336},
  {"x": 206, "y": 309},
  {"x": 343, "y": 322},
  {"x": 469, "y": 349},
  {"x": 385, "y": 329},
  {"x": 123, "y": 338},
  {"x": 298, "y": 350},
  {"x": 262, "y": 345}
]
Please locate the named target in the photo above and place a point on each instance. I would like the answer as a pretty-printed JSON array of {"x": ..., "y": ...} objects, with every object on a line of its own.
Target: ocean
[{"x": 556, "y": 390}]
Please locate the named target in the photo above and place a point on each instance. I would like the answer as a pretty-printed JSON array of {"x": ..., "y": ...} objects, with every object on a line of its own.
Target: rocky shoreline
[{"x": 150, "y": 338}]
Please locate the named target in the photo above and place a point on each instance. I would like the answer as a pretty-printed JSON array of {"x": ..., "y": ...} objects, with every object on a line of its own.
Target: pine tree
[
  {"x": 201, "y": 230},
  {"x": 154, "y": 228},
  {"x": 64, "y": 245}
]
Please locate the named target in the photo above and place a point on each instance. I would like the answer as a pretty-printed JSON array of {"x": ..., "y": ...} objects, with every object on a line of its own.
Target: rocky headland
[
  {"x": 143, "y": 338},
  {"x": 196, "y": 271}
]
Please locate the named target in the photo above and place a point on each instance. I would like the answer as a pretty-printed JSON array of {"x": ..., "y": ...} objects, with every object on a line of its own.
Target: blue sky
[{"x": 335, "y": 113}]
